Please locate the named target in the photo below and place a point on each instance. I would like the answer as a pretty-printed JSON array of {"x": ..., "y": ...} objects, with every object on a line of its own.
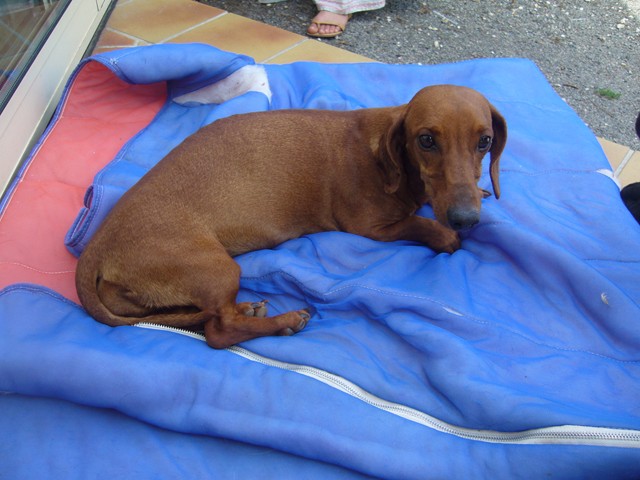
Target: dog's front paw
[{"x": 446, "y": 241}]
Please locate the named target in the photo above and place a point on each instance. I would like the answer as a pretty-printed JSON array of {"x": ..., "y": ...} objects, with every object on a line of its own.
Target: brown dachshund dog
[{"x": 164, "y": 253}]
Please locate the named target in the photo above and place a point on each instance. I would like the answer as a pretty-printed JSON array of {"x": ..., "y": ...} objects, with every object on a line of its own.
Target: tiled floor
[
  {"x": 143, "y": 22},
  {"x": 183, "y": 21}
]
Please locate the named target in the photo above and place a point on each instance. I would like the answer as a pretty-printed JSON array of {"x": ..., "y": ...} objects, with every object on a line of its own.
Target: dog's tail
[{"x": 99, "y": 296}]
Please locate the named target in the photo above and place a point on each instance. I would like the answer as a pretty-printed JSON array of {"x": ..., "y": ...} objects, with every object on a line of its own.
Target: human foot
[{"x": 328, "y": 24}]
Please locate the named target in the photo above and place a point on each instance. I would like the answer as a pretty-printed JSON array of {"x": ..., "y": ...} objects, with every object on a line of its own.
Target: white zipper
[{"x": 558, "y": 435}]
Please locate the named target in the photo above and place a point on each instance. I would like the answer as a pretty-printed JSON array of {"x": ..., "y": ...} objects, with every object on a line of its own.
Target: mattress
[{"x": 515, "y": 357}]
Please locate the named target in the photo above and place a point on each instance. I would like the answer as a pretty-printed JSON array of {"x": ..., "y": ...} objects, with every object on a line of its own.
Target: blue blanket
[{"x": 516, "y": 357}]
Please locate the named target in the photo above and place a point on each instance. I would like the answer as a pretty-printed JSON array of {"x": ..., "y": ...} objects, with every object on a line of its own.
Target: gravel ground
[{"x": 588, "y": 49}]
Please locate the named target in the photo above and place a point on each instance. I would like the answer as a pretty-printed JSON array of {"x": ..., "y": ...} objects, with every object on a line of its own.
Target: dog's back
[{"x": 255, "y": 181}]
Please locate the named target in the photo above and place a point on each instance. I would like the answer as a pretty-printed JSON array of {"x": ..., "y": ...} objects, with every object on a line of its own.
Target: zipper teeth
[
  {"x": 559, "y": 435},
  {"x": 181, "y": 331}
]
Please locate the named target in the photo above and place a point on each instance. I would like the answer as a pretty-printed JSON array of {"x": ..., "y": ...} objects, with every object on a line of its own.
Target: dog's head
[{"x": 438, "y": 142}]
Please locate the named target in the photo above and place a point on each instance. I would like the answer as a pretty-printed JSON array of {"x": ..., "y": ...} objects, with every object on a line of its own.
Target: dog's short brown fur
[{"x": 164, "y": 254}]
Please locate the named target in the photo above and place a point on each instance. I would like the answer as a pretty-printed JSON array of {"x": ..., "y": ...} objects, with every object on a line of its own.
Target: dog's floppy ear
[
  {"x": 499, "y": 126},
  {"x": 391, "y": 153}
]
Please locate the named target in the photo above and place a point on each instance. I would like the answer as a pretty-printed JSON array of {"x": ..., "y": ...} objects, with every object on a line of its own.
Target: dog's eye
[
  {"x": 426, "y": 142},
  {"x": 485, "y": 143}
]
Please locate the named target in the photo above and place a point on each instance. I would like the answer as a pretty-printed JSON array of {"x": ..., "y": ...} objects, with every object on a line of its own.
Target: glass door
[
  {"x": 24, "y": 27},
  {"x": 41, "y": 42}
]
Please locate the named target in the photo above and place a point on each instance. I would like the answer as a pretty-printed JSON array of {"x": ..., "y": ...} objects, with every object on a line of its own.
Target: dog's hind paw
[
  {"x": 303, "y": 318},
  {"x": 253, "y": 309}
]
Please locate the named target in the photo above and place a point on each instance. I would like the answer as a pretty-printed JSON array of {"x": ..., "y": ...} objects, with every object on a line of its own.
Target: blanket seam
[{"x": 45, "y": 272}]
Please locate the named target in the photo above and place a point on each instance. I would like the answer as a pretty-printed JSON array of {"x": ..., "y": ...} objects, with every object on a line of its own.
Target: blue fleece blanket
[{"x": 516, "y": 357}]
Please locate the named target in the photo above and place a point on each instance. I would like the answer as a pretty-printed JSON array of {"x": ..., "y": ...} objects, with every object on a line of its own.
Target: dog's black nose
[{"x": 460, "y": 218}]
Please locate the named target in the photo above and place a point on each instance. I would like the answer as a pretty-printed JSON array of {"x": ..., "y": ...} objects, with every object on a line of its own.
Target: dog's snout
[{"x": 460, "y": 218}]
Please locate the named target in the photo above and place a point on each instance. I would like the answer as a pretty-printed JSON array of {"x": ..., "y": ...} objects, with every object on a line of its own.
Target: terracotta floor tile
[
  {"x": 241, "y": 35},
  {"x": 111, "y": 40},
  {"x": 615, "y": 152},
  {"x": 315, "y": 51},
  {"x": 158, "y": 20},
  {"x": 631, "y": 171}
]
